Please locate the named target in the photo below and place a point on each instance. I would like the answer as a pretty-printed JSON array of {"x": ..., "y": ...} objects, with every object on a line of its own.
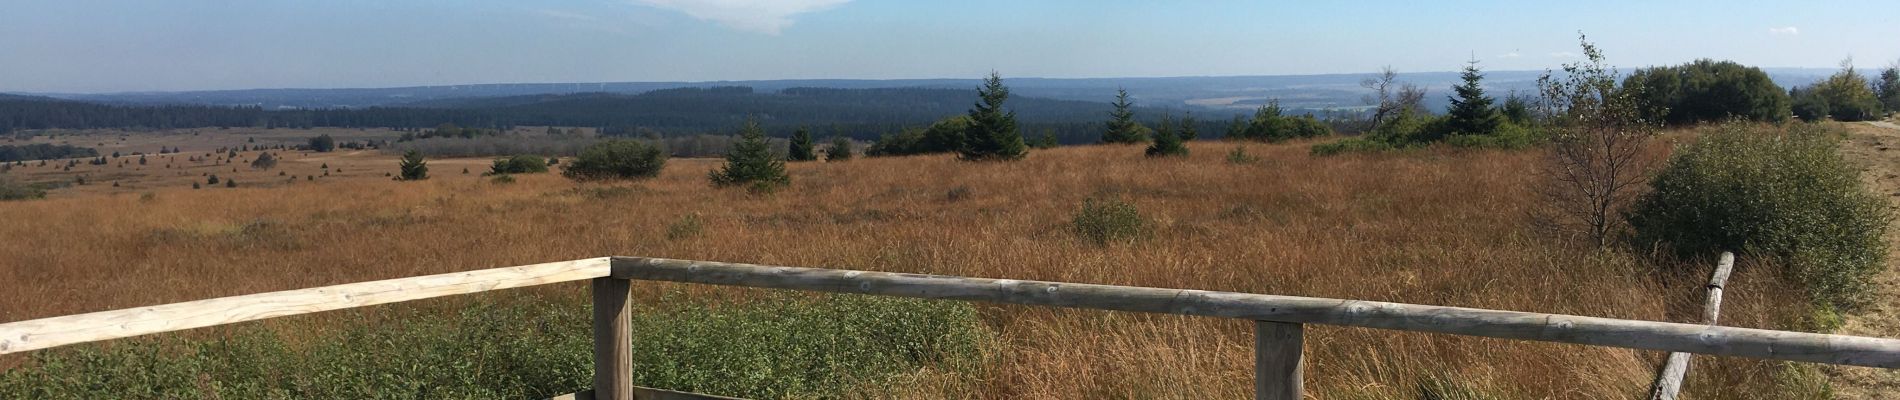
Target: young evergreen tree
[
  {"x": 1122, "y": 127},
  {"x": 1471, "y": 112},
  {"x": 414, "y": 168},
  {"x": 1166, "y": 143},
  {"x": 992, "y": 133},
  {"x": 1047, "y": 141},
  {"x": 840, "y": 149},
  {"x": 801, "y": 148},
  {"x": 1516, "y": 109},
  {"x": 1190, "y": 128},
  {"x": 750, "y": 161}
]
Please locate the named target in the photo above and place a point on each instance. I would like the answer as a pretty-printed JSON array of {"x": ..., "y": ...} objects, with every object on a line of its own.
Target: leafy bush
[
  {"x": 1507, "y": 136},
  {"x": 616, "y": 159},
  {"x": 519, "y": 164},
  {"x": 1708, "y": 91},
  {"x": 1269, "y": 124},
  {"x": 323, "y": 143},
  {"x": 1786, "y": 196},
  {"x": 1240, "y": 156},
  {"x": 778, "y": 347},
  {"x": 1103, "y": 222}
]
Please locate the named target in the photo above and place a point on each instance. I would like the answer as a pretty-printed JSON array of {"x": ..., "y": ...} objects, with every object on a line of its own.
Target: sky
[{"x": 91, "y": 46}]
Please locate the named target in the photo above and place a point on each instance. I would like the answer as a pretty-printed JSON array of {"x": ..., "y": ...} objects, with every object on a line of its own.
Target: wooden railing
[{"x": 1279, "y": 320}]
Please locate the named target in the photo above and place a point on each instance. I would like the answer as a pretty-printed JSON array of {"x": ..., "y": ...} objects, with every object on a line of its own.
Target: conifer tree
[
  {"x": 801, "y": 148},
  {"x": 1471, "y": 112},
  {"x": 1047, "y": 141},
  {"x": 1190, "y": 128},
  {"x": 992, "y": 133},
  {"x": 1166, "y": 143},
  {"x": 1122, "y": 127},
  {"x": 750, "y": 161},
  {"x": 840, "y": 149},
  {"x": 414, "y": 168}
]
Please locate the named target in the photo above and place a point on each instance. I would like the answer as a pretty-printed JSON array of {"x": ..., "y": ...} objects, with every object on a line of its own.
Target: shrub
[
  {"x": 1165, "y": 142},
  {"x": 519, "y": 164},
  {"x": 1708, "y": 91},
  {"x": 264, "y": 161},
  {"x": 616, "y": 159},
  {"x": 1103, "y": 222},
  {"x": 751, "y": 162},
  {"x": 1240, "y": 156},
  {"x": 840, "y": 149},
  {"x": 323, "y": 143},
  {"x": 1784, "y": 196},
  {"x": 1508, "y": 136}
]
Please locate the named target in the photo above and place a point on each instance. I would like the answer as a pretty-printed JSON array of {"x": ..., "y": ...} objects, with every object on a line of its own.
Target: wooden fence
[{"x": 1279, "y": 320}]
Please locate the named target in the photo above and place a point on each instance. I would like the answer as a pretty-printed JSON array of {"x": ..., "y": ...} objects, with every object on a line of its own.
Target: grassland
[{"x": 1434, "y": 227}]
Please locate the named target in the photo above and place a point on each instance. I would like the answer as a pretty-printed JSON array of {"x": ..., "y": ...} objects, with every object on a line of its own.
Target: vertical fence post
[
  {"x": 613, "y": 339},
  {"x": 1277, "y": 360}
]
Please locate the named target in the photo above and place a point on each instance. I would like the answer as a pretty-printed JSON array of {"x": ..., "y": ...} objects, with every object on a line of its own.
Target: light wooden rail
[{"x": 1279, "y": 327}]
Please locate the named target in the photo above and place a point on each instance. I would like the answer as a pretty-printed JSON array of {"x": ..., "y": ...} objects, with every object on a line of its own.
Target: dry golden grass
[{"x": 1432, "y": 227}]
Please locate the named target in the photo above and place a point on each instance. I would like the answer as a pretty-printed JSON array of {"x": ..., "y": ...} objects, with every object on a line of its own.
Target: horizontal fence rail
[
  {"x": 1278, "y": 320},
  {"x": 1645, "y": 335}
]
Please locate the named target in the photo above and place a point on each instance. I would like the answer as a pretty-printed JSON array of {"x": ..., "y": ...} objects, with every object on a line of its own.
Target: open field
[{"x": 1437, "y": 227}]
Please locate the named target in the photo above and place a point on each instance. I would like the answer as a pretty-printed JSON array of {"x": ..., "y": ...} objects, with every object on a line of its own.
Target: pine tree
[
  {"x": 801, "y": 148},
  {"x": 1190, "y": 128},
  {"x": 840, "y": 149},
  {"x": 414, "y": 168},
  {"x": 1471, "y": 112},
  {"x": 1166, "y": 143},
  {"x": 992, "y": 132},
  {"x": 1122, "y": 127},
  {"x": 751, "y": 161},
  {"x": 1047, "y": 141}
]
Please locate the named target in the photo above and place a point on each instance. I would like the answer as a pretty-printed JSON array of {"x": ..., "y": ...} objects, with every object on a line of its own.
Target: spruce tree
[
  {"x": 751, "y": 161},
  {"x": 1471, "y": 112},
  {"x": 801, "y": 148},
  {"x": 1166, "y": 143},
  {"x": 992, "y": 132},
  {"x": 1190, "y": 128},
  {"x": 1122, "y": 127},
  {"x": 840, "y": 149},
  {"x": 1047, "y": 141},
  {"x": 414, "y": 168}
]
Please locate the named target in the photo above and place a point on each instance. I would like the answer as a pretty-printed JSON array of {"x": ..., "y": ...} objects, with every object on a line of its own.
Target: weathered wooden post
[
  {"x": 1277, "y": 360},
  {"x": 1676, "y": 367},
  {"x": 613, "y": 339}
]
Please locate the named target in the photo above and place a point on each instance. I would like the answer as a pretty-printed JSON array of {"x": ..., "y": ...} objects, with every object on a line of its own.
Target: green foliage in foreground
[
  {"x": 11, "y": 190},
  {"x": 1108, "y": 221},
  {"x": 778, "y": 347},
  {"x": 1786, "y": 196}
]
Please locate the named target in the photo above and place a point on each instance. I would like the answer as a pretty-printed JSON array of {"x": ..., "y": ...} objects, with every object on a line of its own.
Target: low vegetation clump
[
  {"x": 1471, "y": 121},
  {"x": 13, "y": 190},
  {"x": 819, "y": 347},
  {"x": 616, "y": 159},
  {"x": 1270, "y": 124},
  {"x": 943, "y": 136},
  {"x": 322, "y": 143},
  {"x": 1786, "y": 196},
  {"x": 519, "y": 164},
  {"x": 840, "y": 149},
  {"x": 1844, "y": 96},
  {"x": 1108, "y": 221},
  {"x": 1709, "y": 91},
  {"x": 1166, "y": 143},
  {"x": 42, "y": 151}
]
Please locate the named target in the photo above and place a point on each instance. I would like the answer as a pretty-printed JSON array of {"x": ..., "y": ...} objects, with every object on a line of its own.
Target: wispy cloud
[
  {"x": 768, "y": 17},
  {"x": 1512, "y": 54},
  {"x": 1563, "y": 54},
  {"x": 565, "y": 15},
  {"x": 1786, "y": 30}
]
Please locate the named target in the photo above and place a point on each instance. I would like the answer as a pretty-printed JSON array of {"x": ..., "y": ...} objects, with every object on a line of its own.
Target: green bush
[
  {"x": 520, "y": 164},
  {"x": 777, "y": 347},
  {"x": 1508, "y": 136},
  {"x": 1708, "y": 91},
  {"x": 1103, "y": 222},
  {"x": 1786, "y": 196},
  {"x": 686, "y": 227},
  {"x": 616, "y": 159}
]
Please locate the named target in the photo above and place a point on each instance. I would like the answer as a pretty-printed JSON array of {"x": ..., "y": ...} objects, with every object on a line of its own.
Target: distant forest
[{"x": 858, "y": 113}]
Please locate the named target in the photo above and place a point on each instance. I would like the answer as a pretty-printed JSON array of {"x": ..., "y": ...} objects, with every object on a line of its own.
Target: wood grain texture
[
  {"x": 644, "y": 393},
  {"x": 1644, "y": 335},
  {"x": 1278, "y": 360},
  {"x": 59, "y": 331},
  {"x": 613, "y": 339},
  {"x": 1676, "y": 366}
]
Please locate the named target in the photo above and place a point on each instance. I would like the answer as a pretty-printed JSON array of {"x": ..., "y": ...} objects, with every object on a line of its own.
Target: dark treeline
[
  {"x": 857, "y": 113},
  {"x": 41, "y": 151}
]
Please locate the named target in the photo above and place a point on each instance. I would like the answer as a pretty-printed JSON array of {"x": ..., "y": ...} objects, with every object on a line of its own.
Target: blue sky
[{"x": 137, "y": 45}]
